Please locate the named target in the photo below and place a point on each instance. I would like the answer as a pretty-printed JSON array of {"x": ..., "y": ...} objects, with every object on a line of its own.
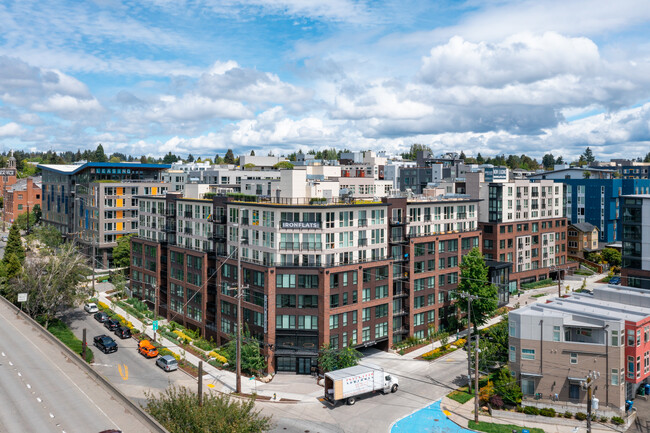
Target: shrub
[
  {"x": 204, "y": 344},
  {"x": 486, "y": 392},
  {"x": 222, "y": 359},
  {"x": 164, "y": 351},
  {"x": 496, "y": 402},
  {"x": 531, "y": 410},
  {"x": 186, "y": 338},
  {"x": 580, "y": 416},
  {"x": 519, "y": 409},
  {"x": 460, "y": 342},
  {"x": 102, "y": 306},
  {"x": 617, "y": 420},
  {"x": 603, "y": 419},
  {"x": 547, "y": 411},
  {"x": 568, "y": 414}
]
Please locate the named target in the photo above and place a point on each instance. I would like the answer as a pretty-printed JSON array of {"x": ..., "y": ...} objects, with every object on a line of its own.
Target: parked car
[
  {"x": 167, "y": 363},
  {"x": 91, "y": 307},
  {"x": 123, "y": 332},
  {"x": 101, "y": 317},
  {"x": 615, "y": 280},
  {"x": 5, "y": 239},
  {"x": 105, "y": 343},
  {"x": 147, "y": 349},
  {"x": 111, "y": 324}
]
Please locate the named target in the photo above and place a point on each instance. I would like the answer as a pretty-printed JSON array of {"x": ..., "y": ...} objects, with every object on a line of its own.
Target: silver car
[
  {"x": 90, "y": 307},
  {"x": 167, "y": 363}
]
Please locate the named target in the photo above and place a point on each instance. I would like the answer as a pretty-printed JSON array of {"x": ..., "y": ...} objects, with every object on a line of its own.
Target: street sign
[
  {"x": 22, "y": 297},
  {"x": 155, "y": 325}
]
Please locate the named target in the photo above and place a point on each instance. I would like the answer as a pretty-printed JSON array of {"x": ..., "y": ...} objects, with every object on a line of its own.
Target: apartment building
[
  {"x": 582, "y": 238},
  {"x": 96, "y": 203},
  {"x": 553, "y": 347},
  {"x": 360, "y": 272},
  {"x": 8, "y": 175},
  {"x": 21, "y": 197},
  {"x": 635, "y": 270},
  {"x": 523, "y": 224}
]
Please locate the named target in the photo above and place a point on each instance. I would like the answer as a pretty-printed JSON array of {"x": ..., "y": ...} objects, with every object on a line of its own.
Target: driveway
[{"x": 642, "y": 422}]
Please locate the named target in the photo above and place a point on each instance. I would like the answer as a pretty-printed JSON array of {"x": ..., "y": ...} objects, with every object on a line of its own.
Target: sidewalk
[
  {"x": 222, "y": 380},
  {"x": 526, "y": 298},
  {"x": 461, "y": 414}
]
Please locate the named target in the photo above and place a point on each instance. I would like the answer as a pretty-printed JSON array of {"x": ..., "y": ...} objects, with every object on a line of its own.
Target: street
[
  {"x": 45, "y": 391},
  {"x": 130, "y": 372},
  {"x": 421, "y": 382}
]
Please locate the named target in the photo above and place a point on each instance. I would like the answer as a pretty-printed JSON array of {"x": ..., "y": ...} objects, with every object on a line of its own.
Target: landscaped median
[
  {"x": 61, "y": 331},
  {"x": 443, "y": 350}
]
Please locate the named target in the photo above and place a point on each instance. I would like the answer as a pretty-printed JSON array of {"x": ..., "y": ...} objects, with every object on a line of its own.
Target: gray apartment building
[{"x": 94, "y": 204}]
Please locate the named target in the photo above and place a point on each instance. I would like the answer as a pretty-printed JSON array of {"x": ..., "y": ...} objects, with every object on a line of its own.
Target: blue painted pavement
[{"x": 430, "y": 419}]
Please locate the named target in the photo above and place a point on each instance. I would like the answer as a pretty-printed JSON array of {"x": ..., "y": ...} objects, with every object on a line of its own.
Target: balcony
[
  {"x": 169, "y": 229},
  {"x": 188, "y": 214},
  {"x": 221, "y": 237},
  {"x": 289, "y": 245},
  {"x": 245, "y": 221},
  {"x": 363, "y": 222},
  {"x": 401, "y": 312},
  {"x": 219, "y": 219},
  {"x": 363, "y": 242},
  {"x": 187, "y": 231},
  {"x": 397, "y": 240},
  {"x": 311, "y": 246},
  {"x": 397, "y": 221},
  {"x": 461, "y": 215},
  {"x": 153, "y": 210},
  {"x": 401, "y": 330},
  {"x": 170, "y": 212}
]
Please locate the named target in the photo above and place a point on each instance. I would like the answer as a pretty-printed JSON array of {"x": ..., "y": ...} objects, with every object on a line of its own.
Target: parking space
[{"x": 129, "y": 371}]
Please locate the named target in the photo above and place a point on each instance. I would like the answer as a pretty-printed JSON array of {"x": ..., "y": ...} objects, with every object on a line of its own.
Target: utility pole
[
  {"x": 470, "y": 298},
  {"x": 559, "y": 282},
  {"x": 28, "y": 216},
  {"x": 588, "y": 385},
  {"x": 238, "y": 387},
  {"x": 200, "y": 382},
  {"x": 476, "y": 351}
]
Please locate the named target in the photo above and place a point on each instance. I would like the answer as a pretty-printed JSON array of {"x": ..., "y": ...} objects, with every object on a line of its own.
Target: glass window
[
  {"x": 527, "y": 353},
  {"x": 556, "y": 333},
  {"x": 614, "y": 376},
  {"x": 614, "y": 342},
  {"x": 573, "y": 358},
  {"x": 513, "y": 354}
]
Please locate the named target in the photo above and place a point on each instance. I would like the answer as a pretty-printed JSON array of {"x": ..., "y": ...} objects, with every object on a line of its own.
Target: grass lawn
[
  {"x": 489, "y": 427},
  {"x": 61, "y": 331},
  {"x": 461, "y": 396},
  {"x": 539, "y": 295}
]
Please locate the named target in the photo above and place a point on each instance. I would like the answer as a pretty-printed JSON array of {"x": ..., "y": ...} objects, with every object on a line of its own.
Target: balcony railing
[
  {"x": 188, "y": 214},
  {"x": 363, "y": 242},
  {"x": 187, "y": 231},
  {"x": 363, "y": 222},
  {"x": 397, "y": 221},
  {"x": 245, "y": 221}
]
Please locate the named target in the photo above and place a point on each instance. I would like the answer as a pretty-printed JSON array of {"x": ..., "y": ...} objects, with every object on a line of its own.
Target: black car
[
  {"x": 123, "y": 332},
  {"x": 101, "y": 317},
  {"x": 111, "y": 324},
  {"x": 105, "y": 343}
]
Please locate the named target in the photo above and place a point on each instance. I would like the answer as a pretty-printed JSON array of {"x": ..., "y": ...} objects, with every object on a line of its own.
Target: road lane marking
[
  {"x": 3, "y": 354},
  {"x": 26, "y": 339},
  {"x": 29, "y": 386},
  {"x": 125, "y": 375},
  {"x": 210, "y": 385},
  {"x": 20, "y": 375},
  {"x": 11, "y": 363},
  {"x": 51, "y": 416}
]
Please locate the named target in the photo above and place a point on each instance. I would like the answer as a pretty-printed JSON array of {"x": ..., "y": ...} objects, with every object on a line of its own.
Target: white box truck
[{"x": 349, "y": 383}]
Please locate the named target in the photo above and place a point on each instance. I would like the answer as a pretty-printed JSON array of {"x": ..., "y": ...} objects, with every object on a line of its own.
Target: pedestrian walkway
[
  {"x": 461, "y": 414},
  {"x": 225, "y": 381}
]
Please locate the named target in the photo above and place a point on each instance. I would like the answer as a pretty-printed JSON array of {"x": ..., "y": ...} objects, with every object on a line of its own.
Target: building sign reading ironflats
[
  {"x": 7, "y": 172},
  {"x": 300, "y": 224}
]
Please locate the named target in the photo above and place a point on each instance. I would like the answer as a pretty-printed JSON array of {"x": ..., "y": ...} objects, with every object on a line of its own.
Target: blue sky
[{"x": 202, "y": 76}]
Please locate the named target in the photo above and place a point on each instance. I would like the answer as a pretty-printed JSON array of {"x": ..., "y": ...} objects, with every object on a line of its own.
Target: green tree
[
  {"x": 588, "y": 156},
  {"x": 413, "y": 151},
  {"x": 114, "y": 159},
  {"x": 559, "y": 160},
  {"x": 14, "y": 245},
  {"x": 53, "y": 284},
  {"x": 647, "y": 157},
  {"x": 548, "y": 161},
  {"x": 474, "y": 281},
  {"x": 13, "y": 267},
  {"x": 506, "y": 386},
  {"x": 99, "y": 155},
  {"x": 38, "y": 213},
  {"x": 21, "y": 220},
  {"x": 611, "y": 256},
  {"x": 586, "y": 174},
  {"x": 462, "y": 155},
  {"x": 122, "y": 252},
  {"x": 249, "y": 166},
  {"x": 170, "y": 158},
  {"x": 480, "y": 159},
  {"x": 229, "y": 158},
  {"x": 283, "y": 165},
  {"x": 330, "y": 359},
  {"x": 178, "y": 410},
  {"x": 190, "y": 158},
  {"x": 253, "y": 153},
  {"x": 48, "y": 235},
  {"x": 494, "y": 345},
  {"x": 252, "y": 360}
]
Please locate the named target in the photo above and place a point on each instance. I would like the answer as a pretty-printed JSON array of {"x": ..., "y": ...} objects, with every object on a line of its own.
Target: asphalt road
[
  {"x": 43, "y": 391},
  {"x": 130, "y": 372},
  {"x": 420, "y": 383}
]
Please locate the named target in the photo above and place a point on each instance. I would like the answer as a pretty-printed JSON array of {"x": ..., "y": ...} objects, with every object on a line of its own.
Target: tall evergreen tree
[
  {"x": 229, "y": 158},
  {"x": 190, "y": 158},
  {"x": 99, "y": 155},
  {"x": 252, "y": 153},
  {"x": 14, "y": 245},
  {"x": 588, "y": 155}
]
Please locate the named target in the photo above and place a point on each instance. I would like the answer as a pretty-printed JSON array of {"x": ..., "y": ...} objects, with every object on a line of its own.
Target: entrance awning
[
  {"x": 523, "y": 373},
  {"x": 576, "y": 380}
]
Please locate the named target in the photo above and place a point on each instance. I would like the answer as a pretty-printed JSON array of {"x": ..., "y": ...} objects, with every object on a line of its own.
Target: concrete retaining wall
[{"x": 538, "y": 419}]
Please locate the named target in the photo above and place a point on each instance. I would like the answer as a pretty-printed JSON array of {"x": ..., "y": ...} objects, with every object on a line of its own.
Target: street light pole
[{"x": 591, "y": 377}]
